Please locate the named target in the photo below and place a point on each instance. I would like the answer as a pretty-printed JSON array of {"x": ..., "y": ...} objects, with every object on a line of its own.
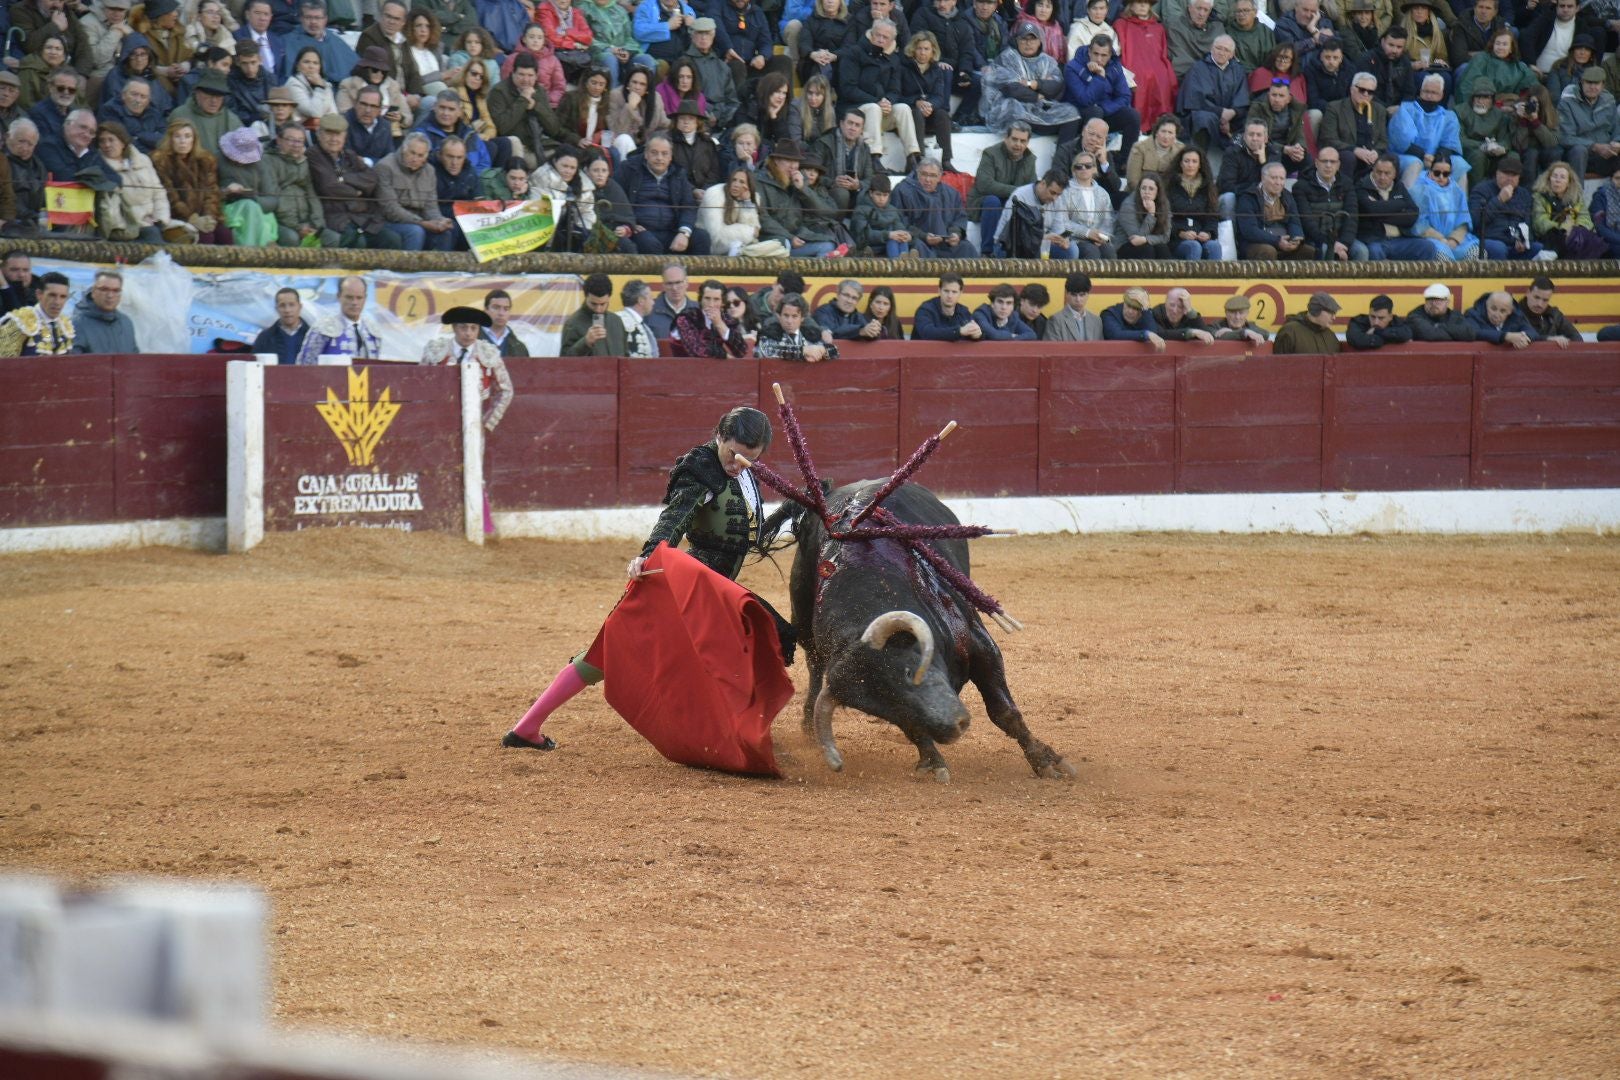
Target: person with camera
[{"x": 589, "y": 331}]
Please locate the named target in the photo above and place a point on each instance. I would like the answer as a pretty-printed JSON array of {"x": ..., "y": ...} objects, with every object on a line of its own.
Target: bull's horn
[
  {"x": 825, "y": 704},
  {"x": 889, "y": 623}
]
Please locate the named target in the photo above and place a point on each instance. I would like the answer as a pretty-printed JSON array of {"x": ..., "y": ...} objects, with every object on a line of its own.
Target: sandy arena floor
[{"x": 1345, "y": 808}]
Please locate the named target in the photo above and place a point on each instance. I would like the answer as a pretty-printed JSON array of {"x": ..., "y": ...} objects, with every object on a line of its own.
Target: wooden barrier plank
[
  {"x": 1110, "y": 373},
  {"x": 1548, "y": 365},
  {"x": 1252, "y": 408},
  {"x": 23, "y": 505},
  {"x": 1383, "y": 369},
  {"x": 25, "y": 379},
  {"x": 51, "y": 423},
  {"x": 1552, "y": 406},
  {"x": 1107, "y": 425},
  {"x": 1400, "y": 405},
  {"x": 1385, "y": 472},
  {"x": 995, "y": 397},
  {"x": 558, "y": 444},
  {"x": 1259, "y": 444},
  {"x": 1547, "y": 471},
  {"x": 85, "y": 463},
  {"x": 1259, "y": 476},
  {"x": 1399, "y": 440},
  {"x": 182, "y": 376},
  {"x": 1249, "y": 424},
  {"x": 1397, "y": 422},
  {"x": 667, "y": 406}
]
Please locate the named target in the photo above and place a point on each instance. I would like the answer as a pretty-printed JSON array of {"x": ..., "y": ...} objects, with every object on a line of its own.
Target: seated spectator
[
  {"x": 729, "y": 213},
  {"x": 408, "y": 194},
  {"x": 1095, "y": 83},
  {"x": 695, "y": 152},
  {"x": 258, "y": 34},
  {"x": 551, "y": 79},
  {"x": 99, "y": 328},
  {"x": 663, "y": 202},
  {"x": 672, "y": 301},
  {"x": 1419, "y": 131},
  {"x": 1538, "y": 310},
  {"x": 720, "y": 87},
  {"x": 1144, "y": 50},
  {"x": 1090, "y": 22},
  {"x": 583, "y": 116},
  {"x": 1379, "y": 327},
  {"x": 1434, "y": 319},
  {"x": 1487, "y": 132},
  {"x": 663, "y": 28},
  {"x": 1033, "y": 225},
  {"x": 868, "y": 76},
  {"x": 1144, "y": 222},
  {"x": 634, "y": 111},
  {"x": 786, "y": 212},
  {"x": 1327, "y": 80},
  {"x": 1471, "y": 32},
  {"x": 1023, "y": 83},
  {"x": 613, "y": 40},
  {"x": 299, "y": 214},
  {"x": 1501, "y": 208},
  {"x": 134, "y": 62},
  {"x": 1549, "y": 31},
  {"x": 448, "y": 117},
  {"x": 1003, "y": 168},
  {"x": 190, "y": 177},
  {"x": 250, "y": 87},
  {"x": 1194, "y": 216},
  {"x": 1236, "y": 326},
  {"x": 1130, "y": 320},
  {"x": 206, "y": 110},
  {"x": 464, "y": 345},
  {"x": 75, "y": 151},
  {"x": 638, "y": 298},
  {"x": 1497, "y": 321},
  {"x": 882, "y": 311},
  {"x": 842, "y": 314},
  {"x": 934, "y": 214},
  {"x": 1388, "y": 64},
  {"x": 706, "y": 328},
  {"x": 455, "y": 182},
  {"x": 312, "y": 33},
  {"x": 1589, "y": 128},
  {"x": 784, "y": 337},
  {"x": 104, "y": 27},
  {"x": 1085, "y": 213},
  {"x": 1192, "y": 35},
  {"x": 28, "y": 178},
  {"x": 1214, "y": 95},
  {"x": 1310, "y": 332},
  {"x": 1032, "y": 301},
  {"x": 814, "y": 32},
  {"x": 591, "y": 331},
  {"x": 1443, "y": 217},
  {"x": 1094, "y": 141},
  {"x": 133, "y": 111},
  {"x": 1177, "y": 321},
  {"x": 1327, "y": 210},
  {"x": 371, "y": 134},
  {"x": 159, "y": 20},
  {"x": 944, "y": 318},
  {"x": 1241, "y": 165},
  {"x": 1307, "y": 26},
  {"x": 848, "y": 157},
  {"x": 1605, "y": 210},
  {"x": 1156, "y": 154},
  {"x": 1565, "y": 76},
  {"x": 998, "y": 319},
  {"x": 1252, "y": 38},
  {"x": 284, "y": 338},
  {"x": 1560, "y": 219},
  {"x": 211, "y": 59},
  {"x": 1054, "y": 35},
  {"x": 878, "y": 227},
  {"x": 1074, "y": 322},
  {"x": 573, "y": 199},
  {"x": 1386, "y": 214},
  {"x": 1268, "y": 225},
  {"x": 10, "y": 110},
  {"x": 372, "y": 71},
  {"x": 387, "y": 36},
  {"x": 139, "y": 209},
  {"x": 1356, "y": 126},
  {"x": 521, "y": 110},
  {"x": 1281, "y": 68},
  {"x": 925, "y": 85},
  {"x": 990, "y": 36},
  {"x": 1285, "y": 124},
  {"x": 1534, "y": 112},
  {"x": 20, "y": 288},
  {"x": 347, "y": 188}
]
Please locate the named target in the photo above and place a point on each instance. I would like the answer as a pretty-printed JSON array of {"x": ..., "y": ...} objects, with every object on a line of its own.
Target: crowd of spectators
[
  {"x": 778, "y": 321},
  {"x": 1321, "y": 129}
]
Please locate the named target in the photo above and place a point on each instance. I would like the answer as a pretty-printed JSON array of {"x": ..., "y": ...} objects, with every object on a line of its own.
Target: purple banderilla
[{"x": 885, "y": 525}]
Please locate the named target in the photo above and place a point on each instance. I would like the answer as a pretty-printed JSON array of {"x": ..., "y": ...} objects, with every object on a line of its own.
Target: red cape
[{"x": 692, "y": 663}]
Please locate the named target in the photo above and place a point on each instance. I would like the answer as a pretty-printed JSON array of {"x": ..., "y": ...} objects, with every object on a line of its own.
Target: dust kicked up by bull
[{"x": 887, "y": 614}]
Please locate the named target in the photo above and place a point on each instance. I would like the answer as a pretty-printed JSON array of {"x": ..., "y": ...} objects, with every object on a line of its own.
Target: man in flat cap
[
  {"x": 1588, "y": 129},
  {"x": 1236, "y": 326},
  {"x": 1310, "y": 332},
  {"x": 462, "y": 345}
]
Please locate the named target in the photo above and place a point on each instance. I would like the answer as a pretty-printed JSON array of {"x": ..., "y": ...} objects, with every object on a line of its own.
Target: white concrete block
[
  {"x": 244, "y": 455},
  {"x": 472, "y": 450},
  {"x": 29, "y": 909}
]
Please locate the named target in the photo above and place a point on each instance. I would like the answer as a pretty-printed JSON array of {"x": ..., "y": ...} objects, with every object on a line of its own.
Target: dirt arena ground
[{"x": 1345, "y": 808}]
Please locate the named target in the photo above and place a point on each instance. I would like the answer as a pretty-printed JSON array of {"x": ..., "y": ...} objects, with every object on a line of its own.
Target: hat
[
  {"x": 1510, "y": 163},
  {"x": 1321, "y": 301},
  {"x": 1361, "y": 5},
  {"x": 1026, "y": 29},
  {"x": 813, "y": 159},
  {"x": 212, "y": 82},
  {"x": 1437, "y": 291},
  {"x": 241, "y": 146},
  {"x": 156, "y": 9},
  {"x": 334, "y": 122},
  {"x": 1482, "y": 87},
  {"x": 375, "y": 58},
  {"x": 787, "y": 150},
  {"x": 1592, "y": 74},
  {"x": 704, "y": 24},
  {"x": 1237, "y": 303},
  {"x": 1586, "y": 40},
  {"x": 466, "y": 315},
  {"x": 1408, "y": 5},
  {"x": 688, "y": 107},
  {"x": 93, "y": 178},
  {"x": 280, "y": 95},
  {"x": 9, "y": 78}
]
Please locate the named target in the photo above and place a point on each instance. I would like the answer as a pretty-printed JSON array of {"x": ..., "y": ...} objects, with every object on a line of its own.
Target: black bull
[{"x": 885, "y": 634}]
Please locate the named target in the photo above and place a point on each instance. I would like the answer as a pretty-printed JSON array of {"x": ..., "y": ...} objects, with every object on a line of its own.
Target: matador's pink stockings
[{"x": 564, "y": 686}]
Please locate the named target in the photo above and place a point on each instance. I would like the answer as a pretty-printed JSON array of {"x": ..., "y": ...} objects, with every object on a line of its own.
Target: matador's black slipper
[{"x": 512, "y": 738}]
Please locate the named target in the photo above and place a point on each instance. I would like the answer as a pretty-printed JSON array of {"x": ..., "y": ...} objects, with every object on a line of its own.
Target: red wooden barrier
[
  {"x": 558, "y": 444},
  {"x": 1398, "y": 422},
  {"x": 169, "y": 457},
  {"x": 668, "y": 406},
  {"x": 995, "y": 395},
  {"x": 1107, "y": 424},
  {"x": 851, "y": 413},
  {"x": 1248, "y": 422},
  {"x": 1545, "y": 419},
  {"x": 56, "y": 441}
]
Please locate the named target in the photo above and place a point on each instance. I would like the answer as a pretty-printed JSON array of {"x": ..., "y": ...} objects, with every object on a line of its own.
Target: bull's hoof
[
  {"x": 835, "y": 760},
  {"x": 937, "y": 770},
  {"x": 1057, "y": 769}
]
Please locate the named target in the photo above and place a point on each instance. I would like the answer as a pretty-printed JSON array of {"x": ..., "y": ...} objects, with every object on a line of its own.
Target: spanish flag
[{"x": 67, "y": 203}]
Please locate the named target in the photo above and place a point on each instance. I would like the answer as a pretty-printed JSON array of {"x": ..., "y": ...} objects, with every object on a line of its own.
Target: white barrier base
[
  {"x": 207, "y": 534},
  {"x": 1305, "y": 513}
]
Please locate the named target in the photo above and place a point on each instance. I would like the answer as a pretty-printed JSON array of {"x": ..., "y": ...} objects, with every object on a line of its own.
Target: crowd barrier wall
[{"x": 128, "y": 438}]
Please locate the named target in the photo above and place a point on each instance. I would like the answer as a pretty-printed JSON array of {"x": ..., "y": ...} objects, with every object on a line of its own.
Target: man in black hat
[
  {"x": 695, "y": 151},
  {"x": 785, "y": 212},
  {"x": 592, "y": 331},
  {"x": 464, "y": 346},
  {"x": 206, "y": 110},
  {"x": 1502, "y": 208},
  {"x": 209, "y": 58}
]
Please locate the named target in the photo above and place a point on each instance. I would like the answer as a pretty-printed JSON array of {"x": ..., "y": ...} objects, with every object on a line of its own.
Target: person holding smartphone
[{"x": 588, "y": 331}]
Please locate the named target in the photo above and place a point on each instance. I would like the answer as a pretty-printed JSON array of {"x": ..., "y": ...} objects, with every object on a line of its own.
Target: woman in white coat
[
  {"x": 311, "y": 90},
  {"x": 729, "y": 213}
]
